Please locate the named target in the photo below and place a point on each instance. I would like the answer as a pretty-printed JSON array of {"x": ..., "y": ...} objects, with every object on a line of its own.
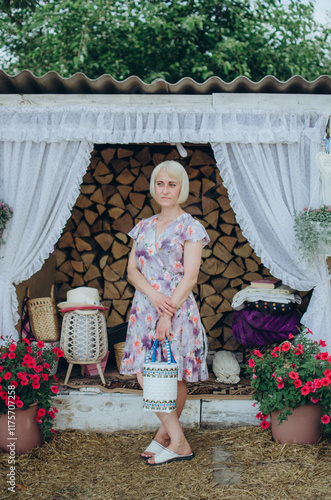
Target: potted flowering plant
[
  {"x": 25, "y": 380},
  {"x": 312, "y": 229},
  {"x": 293, "y": 374},
  {"x": 6, "y": 214}
]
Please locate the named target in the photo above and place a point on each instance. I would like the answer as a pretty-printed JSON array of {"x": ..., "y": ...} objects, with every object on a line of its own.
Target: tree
[{"x": 168, "y": 39}]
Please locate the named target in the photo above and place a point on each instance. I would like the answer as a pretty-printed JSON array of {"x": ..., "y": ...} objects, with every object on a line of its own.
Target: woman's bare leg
[{"x": 162, "y": 436}]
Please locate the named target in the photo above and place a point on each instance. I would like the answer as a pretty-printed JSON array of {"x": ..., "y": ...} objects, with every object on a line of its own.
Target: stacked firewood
[{"x": 93, "y": 249}]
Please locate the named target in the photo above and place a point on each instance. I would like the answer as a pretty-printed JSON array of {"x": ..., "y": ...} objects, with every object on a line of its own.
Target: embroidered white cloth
[{"x": 282, "y": 295}]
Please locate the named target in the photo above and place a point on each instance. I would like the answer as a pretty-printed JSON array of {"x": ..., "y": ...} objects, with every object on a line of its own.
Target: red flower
[
  {"x": 45, "y": 376},
  {"x": 12, "y": 347},
  {"x": 14, "y": 383},
  {"x": 41, "y": 412},
  {"x": 55, "y": 410},
  {"x": 286, "y": 346},
  {"x": 251, "y": 363},
  {"x": 1, "y": 369},
  {"x": 264, "y": 424},
  {"x": 280, "y": 385},
  {"x": 51, "y": 414},
  {"x": 274, "y": 355},
  {"x": 38, "y": 368},
  {"x": 317, "y": 356},
  {"x": 27, "y": 341},
  {"x": 276, "y": 349},
  {"x": 279, "y": 379},
  {"x": 291, "y": 336},
  {"x": 7, "y": 376},
  {"x": 293, "y": 375},
  {"x": 304, "y": 390},
  {"x": 40, "y": 344},
  {"x": 325, "y": 419},
  {"x": 35, "y": 385},
  {"x": 309, "y": 331},
  {"x": 322, "y": 343},
  {"x": 24, "y": 381},
  {"x": 258, "y": 415},
  {"x": 29, "y": 349},
  {"x": 11, "y": 355},
  {"x": 53, "y": 431},
  {"x": 324, "y": 356},
  {"x": 19, "y": 404},
  {"x": 54, "y": 389},
  {"x": 257, "y": 353},
  {"x": 47, "y": 366},
  {"x": 314, "y": 400},
  {"x": 325, "y": 381},
  {"x": 297, "y": 383}
]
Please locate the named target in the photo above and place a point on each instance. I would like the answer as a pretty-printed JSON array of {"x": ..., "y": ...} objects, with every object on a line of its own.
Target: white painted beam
[{"x": 224, "y": 413}]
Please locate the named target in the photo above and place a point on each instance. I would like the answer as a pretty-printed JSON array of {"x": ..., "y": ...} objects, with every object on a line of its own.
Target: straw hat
[{"x": 83, "y": 297}]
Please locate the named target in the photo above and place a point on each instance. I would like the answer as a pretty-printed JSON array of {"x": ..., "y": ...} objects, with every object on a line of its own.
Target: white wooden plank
[
  {"x": 104, "y": 412},
  {"x": 228, "y": 413}
]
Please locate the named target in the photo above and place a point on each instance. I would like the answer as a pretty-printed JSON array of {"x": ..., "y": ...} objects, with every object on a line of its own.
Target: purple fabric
[{"x": 255, "y": 328}]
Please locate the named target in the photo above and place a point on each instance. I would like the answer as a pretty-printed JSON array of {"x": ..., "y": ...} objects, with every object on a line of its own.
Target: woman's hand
[
  {"x": 163, "y": 328},
  {"x": 163, "y": 305}
]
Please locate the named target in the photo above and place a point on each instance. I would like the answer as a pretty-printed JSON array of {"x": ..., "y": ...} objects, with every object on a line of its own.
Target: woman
[{"x": 163, "y": 267}]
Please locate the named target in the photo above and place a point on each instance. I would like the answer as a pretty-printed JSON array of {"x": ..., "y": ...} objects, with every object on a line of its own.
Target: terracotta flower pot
[
  {"x": 20, "y": 434},
  {"x": 303, "y": 426}
]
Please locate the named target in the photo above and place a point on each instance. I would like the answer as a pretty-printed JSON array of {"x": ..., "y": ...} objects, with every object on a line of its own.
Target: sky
[{"x": 321, "y": 8}]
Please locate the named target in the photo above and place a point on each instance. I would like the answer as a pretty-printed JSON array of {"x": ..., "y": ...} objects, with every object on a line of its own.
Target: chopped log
[
  {"x": 213, "y": 235},
  {"x": 256, "y": 258},
  {"x": 92, "y": 273},
  {"x": 192, "y": 172},
  {"x": 207, "y": 184},
  {"x": 88, "y": 178},
  {"x": 252, "y": 276},
  {"x": 173, "y": 155},
  {"x": 77, "y": 280},
  {"x": 61, "y": 277},
  {"x": 119, "y": 266},
  {"x": 103, "y": 261},
  {"x": 193, "y": 210},
  {"x": 221, "y": 252},
  {"x": 117, "y": 201},
  {"x": 87, "y": 188},
  {"x": 104, "y": 179},
  {"x": 206, "y": 290},
  {"x": 228, "y": 217},
  {"x": 225, "y": 306},
  {"x": 137, "y": 200},
  {"x": 76, "y": 215},
  {"x": 109, "y": 274},
  {"x": 191, "y": 199},
  {"x": 230, "y": 344},
  {"x": 195, "y": 188},
  {"x": 83, "y": 202},
  {"x": 66, "y": 268},
  {"x": 118, "y": 250},
  {"x": 213, "y": 301},
  {"x": 66, "y": 240},
  {"x": 210, "y": 321},
  {"x": 125, "y": 177},
  {"x": 214, "y": 333},
  {"x": 120, "y": 285},
  {"x": 141, "y": 184},
  {"x": 134, "y": 163},
  {"x": 108, "y": 154},
  {"x": 83, "y": 230},
  {"x": 82, "y": 245},
  {"x": 240, "y": 237},
  {"x": 240, "y": 262},
  {"x": 133, "y": 210},
  {"x": 207, "y": 171},
  {"x": 136, "y": 171},
  {"x": 224, "y": 203},
  {"x": 228, "y": 241},
  {"x": 108, "y": 190},
  {"x": 62, "y": 292},
  {"x": 228, "y": 293},
  {"x": 104, "y": 240},
  {"x": 124, "y": 191},
  {"x": 121, "y": 306},
  {"x": 97, "y": 227},
  {"x": 206, "y": 252},
  {"x": 101, "y": 169},
  {"x": 97, "y": 197},
  {"x": 60, "y": 257},
  {"x": 202, "y": 277},
  {"x": 119, "y": 165},
  {"x": 123, "y": 224},
  {"x": 96, "y": 284},
  {"x": 201, "y": 158},
  {"x": 146, "y": 212},
  {"x": 251, "y": 265},
  {"x": 115, "y": 212},
  {"x": 219, "y": 284},
  {"x": 157, "y": 158},
  {"x": 90, "y": 216},
  {"x": 212, "y": 218},
  {"x": 213, "y": 267},
  {"x": 78, "y": 266},
  {"x": 206, "y": 310},
  {"x": 110, "y": 291},
  {"x": 114, "y": 319},
  {"x": 128, "y": 292},
  {"x": 123, "y": 237},
  {"x": 214, "y": 344},
  {"x": 243, "y": 250},
  {"x": 100, "y": 209},
  {"x": 106, "y": 226},
  {"x": 236, "y": 284},
  {"x": 88, "y": 258},
  {"x": 143, "y": 156},
  {"x": 124, "y": 153},
  {"x": 208, "y": 205},
  {"x": 233, "y": 270},
  {"x": 226, "y": 228},
  {"x": 75, "y": 255}
]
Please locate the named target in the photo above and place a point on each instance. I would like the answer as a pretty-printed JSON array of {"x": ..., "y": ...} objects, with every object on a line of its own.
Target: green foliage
[
  {"x": 291, "y": 375},
  {"x": 165, "y": 39},
  {"x": 313, "y": 232}
]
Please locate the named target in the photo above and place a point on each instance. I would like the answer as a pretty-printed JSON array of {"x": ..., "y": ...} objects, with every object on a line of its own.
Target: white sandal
[
  {"x": 166, "y": 456},
  {"x": 154, "y": 448}
]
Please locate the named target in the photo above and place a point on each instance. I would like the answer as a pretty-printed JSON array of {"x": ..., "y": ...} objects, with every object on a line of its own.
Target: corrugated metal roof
[{"x": 52, "y": 83}]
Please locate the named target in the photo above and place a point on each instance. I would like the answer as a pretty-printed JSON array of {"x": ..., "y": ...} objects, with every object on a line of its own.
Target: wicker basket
[
  {"x": 119, "y": 351},
  {"x": 43, "y": 318}
]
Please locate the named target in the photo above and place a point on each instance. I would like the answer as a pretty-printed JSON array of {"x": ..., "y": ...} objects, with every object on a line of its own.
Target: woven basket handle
[
  {"x": 52, "y": 291},
  {"x": 152, "y": 352},
  {"x": 28, "y": 292}
]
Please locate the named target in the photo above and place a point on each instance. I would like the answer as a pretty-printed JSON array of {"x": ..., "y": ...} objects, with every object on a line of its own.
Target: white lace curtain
[
  {"x": 266, "y": 158},
  {"x": 40, "y": 181}
]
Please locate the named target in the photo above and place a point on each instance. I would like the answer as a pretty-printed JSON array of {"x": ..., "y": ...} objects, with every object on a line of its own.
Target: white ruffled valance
[{"x": 120, "y": 125}]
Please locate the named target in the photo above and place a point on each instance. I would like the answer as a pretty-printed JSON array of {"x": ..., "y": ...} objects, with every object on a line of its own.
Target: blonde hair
[{"x": 176, "y": 171}]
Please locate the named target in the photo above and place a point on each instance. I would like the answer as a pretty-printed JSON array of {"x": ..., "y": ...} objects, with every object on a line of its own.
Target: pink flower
[
  {"x": 291, "y": 336},
  {"x": 279, "y": 379},
  {"x": 19, "y": 404},
  {"x": 286, "y": 346},
  {"x": 264, "y": 424},
  {"x": 324, "y": 356},
  {"x": 45, "y": 376},
  {"x": 24, "y": 381},
  {"x": 293, "y": 375},
  {"x": 7, "y": 376},
  {"x": 40, "y": 344},
  {"x": 274, "y": 355},
  {"x": 322, "y": 343},
  {"x": 251, "y": 363},
  {"x": 325, "y": 419},
  {"x": 12, "y": 347},
  {"x": 297, "y": 383},
  {"x": 11, "y": 355},
  {"x": 257, "y": 353},
  {"x": 35, "y": 385},
  {"x": 47, "y": 366},
  {"x": 314, "y": 400},
  {"x": 27, "y": 341},
  {"x": 280, "y": 385},
  {"x": 54, "y": 389},
  {"x": 41, "y": 412},
  {"x": 305, "y": 390}
]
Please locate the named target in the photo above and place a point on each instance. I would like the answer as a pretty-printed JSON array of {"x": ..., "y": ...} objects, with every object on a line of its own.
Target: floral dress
[{"x": 161, "y": 262}]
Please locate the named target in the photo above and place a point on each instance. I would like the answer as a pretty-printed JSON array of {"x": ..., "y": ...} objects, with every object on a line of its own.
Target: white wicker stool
[{"x": 84, "y": 339}]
